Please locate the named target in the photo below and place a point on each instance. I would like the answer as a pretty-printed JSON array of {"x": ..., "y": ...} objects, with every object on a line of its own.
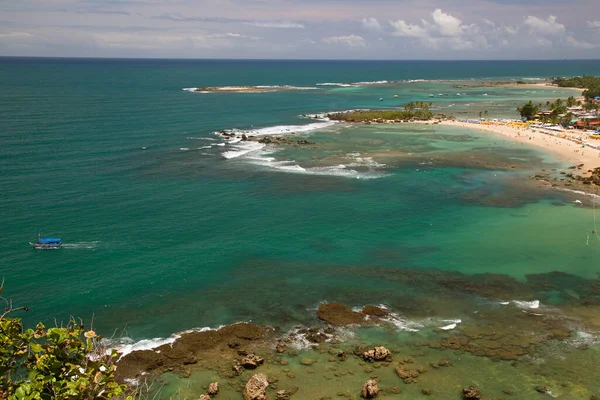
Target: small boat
[
  {"x": 381, "y": 99},
  {"x": 47, "y": 243},
  {"x": 431, "y": 95}
]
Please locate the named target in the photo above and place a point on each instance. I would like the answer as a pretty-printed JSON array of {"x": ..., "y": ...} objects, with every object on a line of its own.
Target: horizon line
[{"x": 285, "y": 59}]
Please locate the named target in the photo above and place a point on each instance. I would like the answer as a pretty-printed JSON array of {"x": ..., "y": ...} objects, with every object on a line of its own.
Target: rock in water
[
  {"x": 370, "y": 389},
  {"x": 213, "y": 389},
  {"x": 471, "y": 393},
  {"x": 337, "y": 314},
  {"x": 286, "y": 394},
  {"x": 252, "y": 361},
  {"x": 256, "y": 388},
  {"x": 377, "y": 354}
]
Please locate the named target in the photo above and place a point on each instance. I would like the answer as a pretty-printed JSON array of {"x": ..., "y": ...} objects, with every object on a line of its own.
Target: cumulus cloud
[
  {"x": 594, "y": 24},
  {"x": 350, "y": 40},
  {"x": 371, "y": 23},
  {"x": 408, "y": 30},
  {"x": 446, "y": 24},
  {"x": 443, "y": 30},
  {"x": 548, "y": 26}
]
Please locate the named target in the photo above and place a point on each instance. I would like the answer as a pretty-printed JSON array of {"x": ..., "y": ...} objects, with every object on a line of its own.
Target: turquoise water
[{"x": 162, "y": 233}]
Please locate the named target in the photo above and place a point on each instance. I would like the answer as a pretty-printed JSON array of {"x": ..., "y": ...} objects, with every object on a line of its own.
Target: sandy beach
[{"x": 567, "y": 150}]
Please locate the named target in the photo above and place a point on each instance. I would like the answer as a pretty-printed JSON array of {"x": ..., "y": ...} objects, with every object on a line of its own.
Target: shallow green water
[{"x": 163, "y": 239}]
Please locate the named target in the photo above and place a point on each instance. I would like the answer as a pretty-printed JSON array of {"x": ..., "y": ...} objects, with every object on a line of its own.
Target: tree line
[
  {"x": 558, "y": 110},
  {"x": 590, "y": 83}
]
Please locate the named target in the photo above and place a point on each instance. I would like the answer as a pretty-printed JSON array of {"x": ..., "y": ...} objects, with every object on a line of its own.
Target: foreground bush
[{"x": 54, "y": 363}]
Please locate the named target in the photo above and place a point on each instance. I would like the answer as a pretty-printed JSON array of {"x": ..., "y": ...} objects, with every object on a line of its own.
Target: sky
[{"x": 302, "y": 29}]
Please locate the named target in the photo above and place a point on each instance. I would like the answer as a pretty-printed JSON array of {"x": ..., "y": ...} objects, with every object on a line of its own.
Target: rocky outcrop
[
  {"x": 204, "y": 397},
  {"x": 190, "y": 348},
  {"x": 370, "y": 389},
  {"x": 256, "y": 388},
  {"x": 213, "y": 389},
  {"x": 377, "y": 354},
  {"x": 407, "y": 375},
  {"x": 252, "y": 361},
  {"x": 471, "y": 393},
  {"x": 286, "y": 394}
]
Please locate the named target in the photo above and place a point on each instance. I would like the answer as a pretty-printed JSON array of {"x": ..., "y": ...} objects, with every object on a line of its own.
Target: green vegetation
[
  {"x": 555, "y": 111},
  {"x": 591, "y": 83},
  {"x": 54, "y": 363},
  {"x": 412, "y": 111},
  {"x": 529, "y": 110}
]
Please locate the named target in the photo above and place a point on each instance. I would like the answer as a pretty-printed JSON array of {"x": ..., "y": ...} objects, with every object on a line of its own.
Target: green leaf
[{"x": 36, "y": 348}]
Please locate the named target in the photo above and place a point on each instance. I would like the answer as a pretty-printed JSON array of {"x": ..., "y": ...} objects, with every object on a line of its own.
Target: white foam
[
  {"x": 341, "y": 170},
  {"x": 280, "y": 129},
  {"x": 584, "y": 339},
  {"x": 200, "y": 138},
  {"x": 335, "y": 84},
  {"x": 286, "y": 87},
  {"x": 184, "y": 148},
  {"x": 527, "y": 304},
  {"x": 240, "y": 150},
  {"x": 579, "y": 192},
  {"x": 372, "y": 83},
  {"x": 284, "y": 129},
  {"x": 363, "y": 161},
  {"x": 452, "y": 325},
  {"x": 128, "y": 345},
  {"x": 351, "y": 84},
  {"x": 402, "y": 323},
  {"x": 81, "y": 245},
  {"x": 191, "y": 89}
]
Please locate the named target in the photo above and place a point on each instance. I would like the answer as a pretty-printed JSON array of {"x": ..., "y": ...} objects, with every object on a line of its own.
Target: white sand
[{"x": 567, "y": 150}]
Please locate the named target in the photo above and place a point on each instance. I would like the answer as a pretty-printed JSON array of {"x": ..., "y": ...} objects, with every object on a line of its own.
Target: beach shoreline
[{"x": 565, "y": 149}]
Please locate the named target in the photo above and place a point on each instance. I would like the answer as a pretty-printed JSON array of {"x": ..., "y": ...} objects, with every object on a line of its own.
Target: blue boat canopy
[{"x": 49, "y": 240}]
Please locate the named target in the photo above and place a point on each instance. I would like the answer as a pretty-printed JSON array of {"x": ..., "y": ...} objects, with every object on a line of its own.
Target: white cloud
[
  {"x": 230, "y": 35},
  {"x": 580, "y": 44},
  {"x": 444, "y": 30},
  {"x": 371, "y": 23},
  {"x": 350, "y": 40},
  {"x": 446, "y": 24},
  {"x": 594, "y": 24},
  {"x": 548, "y": 27},
  {"x": 276, "y": 25},
  {"x": 16, "y": 36},
  {"x": 408, "y": 30}
]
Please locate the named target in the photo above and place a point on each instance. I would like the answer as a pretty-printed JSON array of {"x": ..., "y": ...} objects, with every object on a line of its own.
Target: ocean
[{"x": 169, "y": 227}]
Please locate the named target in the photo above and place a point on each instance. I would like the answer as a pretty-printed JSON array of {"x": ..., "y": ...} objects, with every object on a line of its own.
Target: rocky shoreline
[
  {"x": 256, "y": 362},
  {"x": 573, "y": 180}
]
